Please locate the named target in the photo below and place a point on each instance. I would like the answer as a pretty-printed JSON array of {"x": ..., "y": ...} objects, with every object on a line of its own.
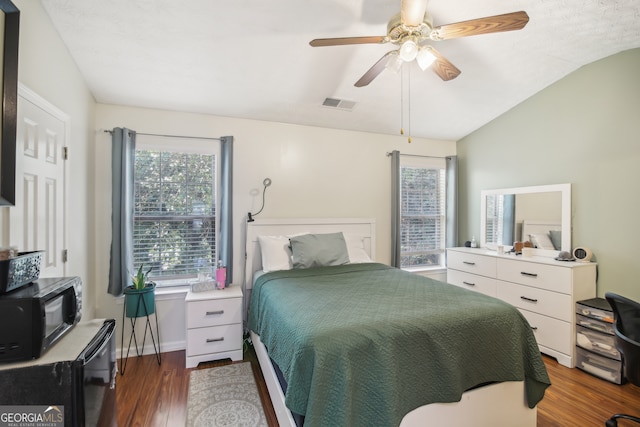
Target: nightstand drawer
[
  {"x": 214, "y": 312},
  {"x": 472, "y": 263},
  {"x": 537, "y": 300},
  {"x": 214, "y": 339}
]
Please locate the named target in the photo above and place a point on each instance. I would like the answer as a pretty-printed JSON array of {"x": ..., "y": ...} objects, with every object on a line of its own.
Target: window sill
[{"x": 427, "y": 270}]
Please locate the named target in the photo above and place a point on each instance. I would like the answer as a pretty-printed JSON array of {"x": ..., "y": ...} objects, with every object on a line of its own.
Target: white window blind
[
  {"x": 174, "y": 211},
  {"x": 495, "y": 216},
  {"x": 422, "y": 212}
]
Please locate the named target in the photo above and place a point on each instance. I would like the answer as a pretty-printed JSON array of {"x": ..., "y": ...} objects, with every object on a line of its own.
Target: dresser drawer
[
  {"x": 537, "y": 300},
  {"x": 472, "y": 263},
  {"x": 544, "y": 276},
  {"x": 214, "y": 312},
  {"x": 551, "y": 333},
  {"x": 472, "y": 282},
  {"x": 214, "y": 339}
]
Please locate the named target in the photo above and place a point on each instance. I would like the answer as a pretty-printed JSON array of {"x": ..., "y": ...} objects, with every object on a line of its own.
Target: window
[
  {"x": 422, "y": 212},
  {"x": 495, "y": 215},
  {"x": 174, "y": 222}
]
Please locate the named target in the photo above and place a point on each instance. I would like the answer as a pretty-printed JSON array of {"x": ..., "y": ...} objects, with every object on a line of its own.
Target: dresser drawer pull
[
  {"x": 213, "y": 313},
  {"x": 468, "y": 262},
  {"x": 215, "y": 339},
  {"x": 524, "y": 273},
  {"x": 535, "y": 328},
  {"x": 469, "y": 283},
  {"x": 529, "y": 299}
]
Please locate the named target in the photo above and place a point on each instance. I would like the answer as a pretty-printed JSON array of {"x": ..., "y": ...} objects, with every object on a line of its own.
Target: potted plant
[{"x": 139, "y": 297}]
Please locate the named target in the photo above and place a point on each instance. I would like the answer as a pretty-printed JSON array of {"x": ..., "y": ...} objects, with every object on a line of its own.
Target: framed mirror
[
  {"x": 10, "y": 31},
  {"x": 539, "y": 214}
]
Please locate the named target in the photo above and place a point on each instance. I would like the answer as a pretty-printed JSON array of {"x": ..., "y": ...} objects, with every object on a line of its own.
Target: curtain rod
[
  {"x": 171, "y": 136},
  {"x": 419, "y": 155}
]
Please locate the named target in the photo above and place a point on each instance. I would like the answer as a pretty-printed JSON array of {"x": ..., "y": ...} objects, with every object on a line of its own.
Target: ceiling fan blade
[
  {"x": 339, "y": 41},
  {"x": 412, "y": 12},
  {"x": 443, "y": 67},
  {"x": 374, "y": 71},
  {"x": 490, "y": 24}
]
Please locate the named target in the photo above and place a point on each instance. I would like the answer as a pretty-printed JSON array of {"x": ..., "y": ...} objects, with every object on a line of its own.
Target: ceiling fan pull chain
[
  {"x": 409, "y": 102},
  {"x": 402, "y": 100}
]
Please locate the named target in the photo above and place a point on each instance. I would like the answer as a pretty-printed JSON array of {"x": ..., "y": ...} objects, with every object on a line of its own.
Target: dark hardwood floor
[{"x": 152, "y": 395}]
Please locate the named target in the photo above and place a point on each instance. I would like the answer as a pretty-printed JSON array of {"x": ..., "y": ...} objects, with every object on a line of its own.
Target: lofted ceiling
[{"x": 251, "y": 58}]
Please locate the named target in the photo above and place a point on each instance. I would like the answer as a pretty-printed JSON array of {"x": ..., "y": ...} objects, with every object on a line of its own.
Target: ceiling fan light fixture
[
  {"x": 409, "y": 50},
  {"x": 425, "y": 58}
]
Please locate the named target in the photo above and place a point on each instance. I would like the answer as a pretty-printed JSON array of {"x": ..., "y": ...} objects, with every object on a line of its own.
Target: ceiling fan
[{"x": 412, "y": 30}]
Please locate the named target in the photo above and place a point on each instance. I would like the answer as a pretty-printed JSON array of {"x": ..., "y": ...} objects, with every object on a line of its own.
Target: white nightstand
[{"x": 214, "y": 325}]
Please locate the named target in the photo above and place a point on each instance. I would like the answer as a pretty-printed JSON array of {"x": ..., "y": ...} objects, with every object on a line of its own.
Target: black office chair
[{"x": 627, "y": 328}]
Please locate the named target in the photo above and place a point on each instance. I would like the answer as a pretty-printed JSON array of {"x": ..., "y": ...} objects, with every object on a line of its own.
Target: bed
[{"x": 365, "y": 344}]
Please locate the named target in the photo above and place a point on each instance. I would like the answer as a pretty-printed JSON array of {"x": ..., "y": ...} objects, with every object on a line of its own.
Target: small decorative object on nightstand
[{"x": 214, "y": 325}]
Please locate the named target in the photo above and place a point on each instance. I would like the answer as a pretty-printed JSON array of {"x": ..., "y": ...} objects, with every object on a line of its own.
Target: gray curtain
[
  {"x": 123, "y": 149},
  {"x": 225, "y": 245},
  {"x": 451, "y": 239},
  {"x": 395, "y": 209}
]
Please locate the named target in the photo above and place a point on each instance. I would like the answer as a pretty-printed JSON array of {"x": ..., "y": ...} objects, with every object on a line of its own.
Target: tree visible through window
[
  {"x": 174, "y": 212},
  {"x": 422, "y": 214}
]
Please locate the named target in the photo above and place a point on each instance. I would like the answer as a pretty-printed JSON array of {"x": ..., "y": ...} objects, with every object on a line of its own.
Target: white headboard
[
  {"x": 538, "y": 227},
  {"x": 361, "y": 227}
]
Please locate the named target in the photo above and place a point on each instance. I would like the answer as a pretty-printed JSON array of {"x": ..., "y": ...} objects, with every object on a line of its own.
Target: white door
[{"x": 38, "y": 218}]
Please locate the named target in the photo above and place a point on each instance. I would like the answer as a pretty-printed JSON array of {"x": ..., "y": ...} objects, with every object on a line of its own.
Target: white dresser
[
  {"x": 214, "y": 325},
  {"x": 543, "y": 289}
]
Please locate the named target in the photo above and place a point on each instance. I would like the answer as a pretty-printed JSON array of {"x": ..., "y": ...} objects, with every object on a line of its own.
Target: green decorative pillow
[
  {"x": 319, "y": 250},
  {"x": 556, "y": 238}
]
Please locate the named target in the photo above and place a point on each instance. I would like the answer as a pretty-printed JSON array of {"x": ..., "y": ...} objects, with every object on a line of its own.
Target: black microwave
[{"x": 35, "y": 317}]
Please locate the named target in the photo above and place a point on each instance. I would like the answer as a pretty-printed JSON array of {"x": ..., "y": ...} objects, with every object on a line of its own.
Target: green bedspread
[{"x": 364, "y": 344}]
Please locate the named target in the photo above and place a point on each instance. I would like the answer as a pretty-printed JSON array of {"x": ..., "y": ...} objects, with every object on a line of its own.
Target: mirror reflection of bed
[{"x": 345, "y": 308}]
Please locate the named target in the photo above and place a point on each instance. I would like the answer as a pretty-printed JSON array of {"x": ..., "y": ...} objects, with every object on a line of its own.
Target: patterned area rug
[{"x": 224, "y": 396}]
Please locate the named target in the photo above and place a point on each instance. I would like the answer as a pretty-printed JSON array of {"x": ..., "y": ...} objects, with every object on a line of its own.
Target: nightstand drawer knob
[
  {"x": 215, "y": 339},
  {"x": 213, "y": 313}
]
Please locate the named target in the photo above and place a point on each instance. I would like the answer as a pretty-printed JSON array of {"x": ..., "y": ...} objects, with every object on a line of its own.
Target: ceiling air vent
[{"x": 339, "y": 103}]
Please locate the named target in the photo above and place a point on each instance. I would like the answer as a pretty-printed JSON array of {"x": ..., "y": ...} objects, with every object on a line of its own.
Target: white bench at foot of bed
[{"x": 496, "y": 405}]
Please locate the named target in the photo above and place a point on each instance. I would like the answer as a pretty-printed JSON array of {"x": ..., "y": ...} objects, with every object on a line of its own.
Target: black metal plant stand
[{"x": 132, "y": 337}]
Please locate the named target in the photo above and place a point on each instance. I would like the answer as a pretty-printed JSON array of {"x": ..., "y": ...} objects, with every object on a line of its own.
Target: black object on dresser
[{"x": 595, "y": 340}]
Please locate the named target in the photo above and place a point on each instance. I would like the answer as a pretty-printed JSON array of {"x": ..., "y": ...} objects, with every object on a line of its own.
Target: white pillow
[
  {"x": 541, "y": 241},
  {"x": 355, "y": 248},
  {"x": 276, "y": 253}
]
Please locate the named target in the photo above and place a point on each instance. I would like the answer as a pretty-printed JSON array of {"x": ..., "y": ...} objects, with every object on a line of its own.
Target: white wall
[
  {"x": 316, "y": 172},
  {"x": 46, "y": 67},
  {"x": 583, "y": 130}
]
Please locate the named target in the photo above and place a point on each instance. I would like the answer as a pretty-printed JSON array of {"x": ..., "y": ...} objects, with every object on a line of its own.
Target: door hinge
[
  {"x": 65, "y": 153},
  {"x": 65, "y": 255}
]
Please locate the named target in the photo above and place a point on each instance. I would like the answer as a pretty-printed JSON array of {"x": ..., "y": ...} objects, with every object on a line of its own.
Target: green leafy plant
[{"x": 139, "y": 281}]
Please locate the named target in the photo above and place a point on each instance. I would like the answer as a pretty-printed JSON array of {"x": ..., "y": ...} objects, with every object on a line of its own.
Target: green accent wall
[{"x": 583, "y": 130}]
